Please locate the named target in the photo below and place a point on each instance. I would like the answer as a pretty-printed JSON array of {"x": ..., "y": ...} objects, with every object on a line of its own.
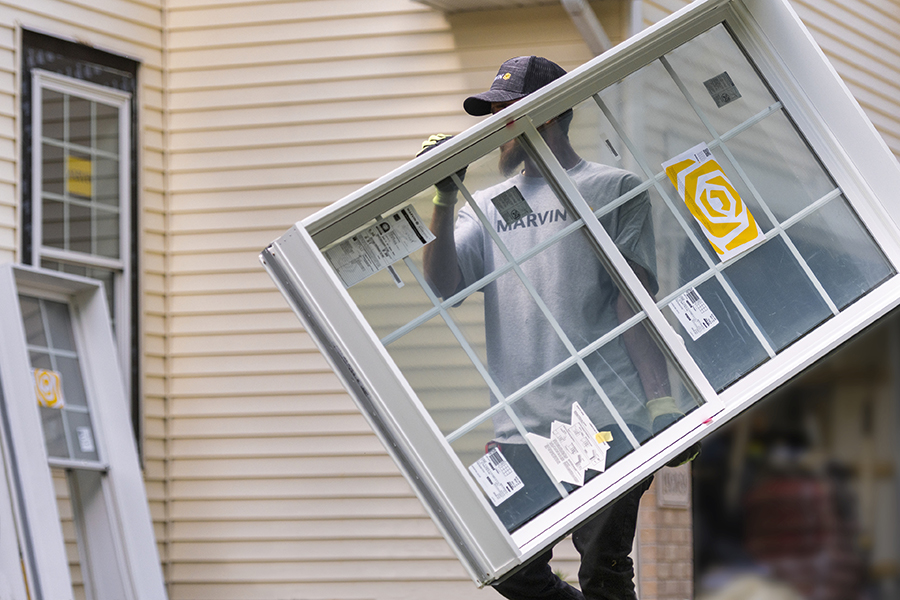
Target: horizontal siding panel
[
  {"x": 401, "y": 149},
  {"x": 256, "y": 364},
  {"x": 221, "y": 14},
  {"x": 286, "y": 425},
  {"x": 438, "y": 589},
  {"x": 294, "y": 175},
  {"x": 287, "y": 30},
  {"x": 359, "y": 466},
  {"x": 255, "y": 279},
  {"x": 299, "y": 403},
  {"x": 312, "y": 133},
  {"x": 254, "y": 384},
  {"x": 253, "y": 241},
  {"x": 386, "y": 569},
  {"x": 261, "y": 447},
  {"x": 247, "y": 342},
  {"x": 302, "y": 509},
  {"x": 259, "y": 52},
  {"x": 355, "y": 110},
  {"x": 304, "y": 530},
  {"x": 259, "y": 323},
  {"x": 274, "y": 551},
  {"x": 226, "y": 302}
]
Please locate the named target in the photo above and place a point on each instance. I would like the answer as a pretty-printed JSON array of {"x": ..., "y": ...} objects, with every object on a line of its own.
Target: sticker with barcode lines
[
  {"x": 693, "y": 314},
  {"x": 496, "y": 476}
]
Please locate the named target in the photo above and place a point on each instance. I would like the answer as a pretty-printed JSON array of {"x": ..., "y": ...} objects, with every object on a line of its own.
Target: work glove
[
  {"x": 446, "y": 189},
  {"x": 664, "y": 412}
]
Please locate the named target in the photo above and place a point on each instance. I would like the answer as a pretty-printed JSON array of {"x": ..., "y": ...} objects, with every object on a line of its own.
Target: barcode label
[
  {"x": 511, "y": 205},
  {"x": 496, "y": 476},
  {"x": 722, "y": 89},
  {"x": 693, "y": 314}
]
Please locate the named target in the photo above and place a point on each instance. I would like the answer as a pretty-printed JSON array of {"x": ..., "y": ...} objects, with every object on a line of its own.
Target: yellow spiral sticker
[
  {"x": 48, "y": 386},
  {"x": 718, "y": 208}
]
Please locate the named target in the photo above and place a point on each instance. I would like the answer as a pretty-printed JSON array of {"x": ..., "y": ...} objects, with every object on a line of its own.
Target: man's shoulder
[{"x": 606, "y": 173}]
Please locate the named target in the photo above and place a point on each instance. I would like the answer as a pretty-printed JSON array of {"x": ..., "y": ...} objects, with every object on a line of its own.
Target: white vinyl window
[
  {"x": 726, "y": 224},
  {"x": 81, "y": 182},
  {"x": 63, "y": 409}
]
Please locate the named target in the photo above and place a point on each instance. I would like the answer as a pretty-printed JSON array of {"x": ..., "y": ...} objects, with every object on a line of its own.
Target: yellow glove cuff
[
  {"x": 662, "y": 406},
  {"x": 445, "y": 199}
]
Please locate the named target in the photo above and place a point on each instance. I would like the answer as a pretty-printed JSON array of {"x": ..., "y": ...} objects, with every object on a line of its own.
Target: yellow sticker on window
[
  {"x": 78, "y": 176},
  {"x": 48, "y": 386},
  {"x": 718, "y": 208}
]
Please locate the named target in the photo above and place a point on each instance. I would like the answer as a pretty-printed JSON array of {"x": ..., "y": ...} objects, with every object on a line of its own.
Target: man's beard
[{"x": 512, "y": 154}]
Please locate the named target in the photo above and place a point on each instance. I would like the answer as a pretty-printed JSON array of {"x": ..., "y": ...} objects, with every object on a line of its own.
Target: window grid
[
  {"x": 67, "y": 200},
  {"x": 52, "y": 352},
  {"x": 769, "y": 213}
]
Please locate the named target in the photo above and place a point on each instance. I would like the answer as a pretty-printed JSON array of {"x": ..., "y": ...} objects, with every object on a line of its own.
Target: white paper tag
[
  {"x": 369, "y": 251},
  {"x": 572, "y": 448},
  {"x": 496, "y": 476},
  {"x": 693, "y": 314},
  {"x": 511, "y": 205},
  {"x": 85, "y": 439}
]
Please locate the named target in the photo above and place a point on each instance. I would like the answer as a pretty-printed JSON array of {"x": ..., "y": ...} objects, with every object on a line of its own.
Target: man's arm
[
  {"x": 440, "y": 261},
  {"x": 648, "y": 359}
]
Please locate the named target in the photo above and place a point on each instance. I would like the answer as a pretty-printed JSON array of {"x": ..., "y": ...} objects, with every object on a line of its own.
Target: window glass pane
[
  {"x": 52, "y": 174},
  {"x": 840, "y": 252},
  {"x": 54, "y": 432},
  {"x": 80, "y": 237},
  {"x": 106, "y": 181},
  {"x": 776, "y": 291},
  {"x": 80, "y": 121},
  {"x": 107, "y": 125},
  {"x": 33, "y": 321},
  {"x": 53, "y": 219},
  {"x": 60, "y": 325},
  {"x": 72, "y": 384},
  {"x": 52, "y": 105},
  {"x": 107, "y": 233},
  {"x": 81, "y": 430},
  {"x": 725, "y": 347},
  {"x": 719, "y": 78}
]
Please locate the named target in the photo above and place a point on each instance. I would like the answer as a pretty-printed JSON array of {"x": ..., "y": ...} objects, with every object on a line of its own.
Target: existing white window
[
  {"x": 749, "y": 231},
  {"x": 62, "y": 405},
  {"x": 81, "y": 188}
]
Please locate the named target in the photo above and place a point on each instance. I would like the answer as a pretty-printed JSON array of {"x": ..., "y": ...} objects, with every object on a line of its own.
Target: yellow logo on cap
[{"x": 507, "y": 76}]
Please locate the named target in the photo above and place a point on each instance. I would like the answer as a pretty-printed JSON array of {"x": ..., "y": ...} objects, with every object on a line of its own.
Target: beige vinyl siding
[
  {"x": 131, "y": 28},
  {"x": 277, "y": 486},
  {"x": 861, "y": 38},
  {"x": 9, "y": 148}
]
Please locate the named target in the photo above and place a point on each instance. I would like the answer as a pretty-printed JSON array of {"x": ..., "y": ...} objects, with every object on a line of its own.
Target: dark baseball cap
[{"x": 516, "y": 78}]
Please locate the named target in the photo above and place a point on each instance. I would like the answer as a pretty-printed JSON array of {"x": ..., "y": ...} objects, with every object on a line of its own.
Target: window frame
[
  {"x": 825, "y": 112},
  {"x": 114, "y": 521},
  {"x": 102, "y": 72}
]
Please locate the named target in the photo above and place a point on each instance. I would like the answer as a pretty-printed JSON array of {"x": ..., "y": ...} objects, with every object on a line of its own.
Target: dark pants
[{"x": 607, "y": 571}]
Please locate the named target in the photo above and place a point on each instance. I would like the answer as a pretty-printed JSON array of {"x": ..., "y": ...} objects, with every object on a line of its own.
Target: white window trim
[
  {"x": 826, "y": 113},
  {"x": 126, "y": 537},
  {"x": 41, "y": 80}
]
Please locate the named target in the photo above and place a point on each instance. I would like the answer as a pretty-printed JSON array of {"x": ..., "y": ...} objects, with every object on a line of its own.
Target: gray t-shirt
[{"x": 575, "y": 287}]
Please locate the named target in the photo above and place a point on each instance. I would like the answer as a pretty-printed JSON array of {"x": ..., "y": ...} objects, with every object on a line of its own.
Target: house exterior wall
[{"x": 264, "y": 481}]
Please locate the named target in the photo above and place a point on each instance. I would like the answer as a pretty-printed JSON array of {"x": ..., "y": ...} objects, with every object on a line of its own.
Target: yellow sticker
[
  {"x": 78, "y": 176},
  {"x": 718, "y": 208},
  {"x": 604, "y": 437},
  {"x": 48, "y": 386}
]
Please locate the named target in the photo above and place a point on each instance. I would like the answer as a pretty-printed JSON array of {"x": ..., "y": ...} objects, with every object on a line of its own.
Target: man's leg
[
  {"x": 537, "y": 581},
  {"x": 605, "y": 542}
]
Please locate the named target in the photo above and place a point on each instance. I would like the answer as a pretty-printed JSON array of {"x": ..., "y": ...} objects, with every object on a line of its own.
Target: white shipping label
[
  {"x": 85, "y": 439},
  {"x": 496, "y": 476},
  {"x": 572, "y": 448},
  {"x": 381, "y": 245},
  {"x": 693, "y": 314}
]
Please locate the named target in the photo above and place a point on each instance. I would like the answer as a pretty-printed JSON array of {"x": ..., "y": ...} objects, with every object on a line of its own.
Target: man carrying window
[{"x": 523, "y": 343}]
